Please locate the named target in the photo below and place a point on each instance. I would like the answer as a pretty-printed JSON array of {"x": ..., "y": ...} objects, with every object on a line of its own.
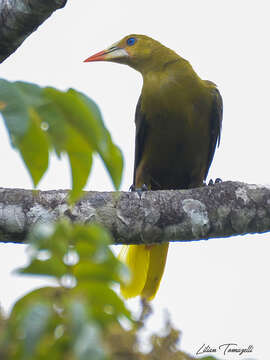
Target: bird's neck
[
  {"x": 171, "y": 78},
  {"x": 167, "y": 68},
  {"x": 159, "y": 60}
]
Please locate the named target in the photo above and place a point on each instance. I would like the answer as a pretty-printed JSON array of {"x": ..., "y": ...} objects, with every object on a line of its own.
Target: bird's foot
[
  {"x": 212, "y": 183},
  {"x": 132, "y": 188},
  {"x": 140, "y": 190}
]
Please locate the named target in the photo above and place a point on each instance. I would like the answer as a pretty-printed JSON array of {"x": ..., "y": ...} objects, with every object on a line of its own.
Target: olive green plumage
[{"x": 178, "y": 123}]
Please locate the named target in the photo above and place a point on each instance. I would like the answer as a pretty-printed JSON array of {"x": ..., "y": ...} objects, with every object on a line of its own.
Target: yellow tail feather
[
  {"x": 157, "y": 262},
  {"x": 146, "y": 264}
]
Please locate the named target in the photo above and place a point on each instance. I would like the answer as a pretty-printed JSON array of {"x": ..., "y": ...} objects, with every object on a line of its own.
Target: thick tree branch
[
  {"x": 19, "y": 18},
  {"x": 225, "y": 209}
]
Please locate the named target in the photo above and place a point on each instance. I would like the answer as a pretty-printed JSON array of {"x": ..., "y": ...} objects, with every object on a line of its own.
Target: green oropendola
[{"x": 178, "y": 123}]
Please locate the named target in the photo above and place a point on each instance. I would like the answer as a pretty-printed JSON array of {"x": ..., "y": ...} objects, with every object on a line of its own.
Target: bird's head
[{"x": 137, "y": 51}]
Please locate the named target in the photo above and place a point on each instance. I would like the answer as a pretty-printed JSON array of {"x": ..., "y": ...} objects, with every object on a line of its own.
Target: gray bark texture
[
  {"x": 225, "y": 209},
  {"x": 19, "y": 18}
]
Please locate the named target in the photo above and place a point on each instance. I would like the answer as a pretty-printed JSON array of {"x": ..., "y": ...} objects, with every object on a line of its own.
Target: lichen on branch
[{"x": 222, "y": 210}]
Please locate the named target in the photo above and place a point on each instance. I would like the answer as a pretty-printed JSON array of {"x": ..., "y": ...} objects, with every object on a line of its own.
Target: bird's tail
[{"x": 146, "y": 264}]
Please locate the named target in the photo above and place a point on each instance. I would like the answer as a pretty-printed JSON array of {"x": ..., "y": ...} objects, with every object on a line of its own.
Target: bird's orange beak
[
  {"x": 100, "y": 56},
  {"x": 111, "y": 54}
]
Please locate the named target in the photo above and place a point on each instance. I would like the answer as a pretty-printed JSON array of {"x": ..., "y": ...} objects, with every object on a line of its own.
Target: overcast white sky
[{"x": 216, "y": 291}]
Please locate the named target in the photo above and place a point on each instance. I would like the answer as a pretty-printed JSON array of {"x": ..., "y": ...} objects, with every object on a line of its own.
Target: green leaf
[
  {"x": 32, "y": 94},
  {"x": 97, "y": 262},
  {"x": 49, "y": 243},
  {"x": 34, "y": 326},
  {"x": 51, "y": 267},
  {"x": 89, "y": 271},
  {"x": 88, "y": 343},
  {"x": 114, "y": 162},
  {"x": 76, "y": 105},
  {"x": 106, "y": 305},
  {"x": 65, "y": 138},
  {"x": 14, "y": 109},
  {"x": 24, "y": 125},
  {"x": 31, "y": 324},
  {"x": 80, "y": 158},
  {"x": 57, "y": 126},
  {"x": 111, "y": 155},
  {"x": 78, "y": 316},
  {"x": 40, "y": 120},
  {"x": 34, "y": 296},
  {"x": 92, "y": 235},
  {"x": 86, "y": 334},
  {"x": 51, "y": 237},
  {"x": 34, "y": 147}
]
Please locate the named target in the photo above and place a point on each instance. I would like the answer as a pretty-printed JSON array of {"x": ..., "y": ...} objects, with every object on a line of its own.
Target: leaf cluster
[
  {"x": 69, "y": 319},
  {"x": 41, "y": 120}
]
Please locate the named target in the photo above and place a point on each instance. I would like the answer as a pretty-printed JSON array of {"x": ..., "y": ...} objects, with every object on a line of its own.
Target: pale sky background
[{"x": 216, "y": 291}]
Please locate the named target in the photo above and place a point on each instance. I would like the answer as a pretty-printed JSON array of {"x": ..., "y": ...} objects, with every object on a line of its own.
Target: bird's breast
[{"x": 177, "y": 144}]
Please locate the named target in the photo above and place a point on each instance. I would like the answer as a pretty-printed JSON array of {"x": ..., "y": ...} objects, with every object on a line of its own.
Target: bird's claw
[
  {"x": 140, "y": 190},
  {"x": 132, "y": 188},
  {"x": 144, "y": 188},
  {"x": 217, "y": 181}
]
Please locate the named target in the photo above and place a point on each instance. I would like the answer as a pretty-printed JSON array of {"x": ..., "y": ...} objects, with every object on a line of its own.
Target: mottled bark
[
  {"x": 19, "y": 18},
  {"x": 222, "y": 210}
]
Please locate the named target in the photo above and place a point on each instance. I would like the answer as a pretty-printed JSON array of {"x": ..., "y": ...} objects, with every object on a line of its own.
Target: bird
[{"x": 178, "y": 122}]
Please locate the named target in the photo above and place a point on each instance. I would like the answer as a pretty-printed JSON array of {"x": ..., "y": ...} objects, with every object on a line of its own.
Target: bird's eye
[{"x": 131, "y": 41}]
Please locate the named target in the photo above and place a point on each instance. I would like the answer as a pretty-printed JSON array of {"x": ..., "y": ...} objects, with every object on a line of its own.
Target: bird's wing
[
  {"x": 215, "y": 125},
  {"x": 141, "y": 134}
]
